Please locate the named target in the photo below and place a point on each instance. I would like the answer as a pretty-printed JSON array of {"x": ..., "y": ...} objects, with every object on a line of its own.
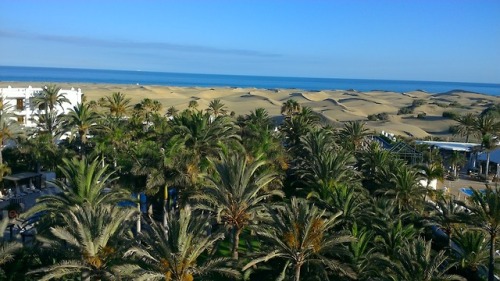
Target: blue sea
[{"x": 43, "y": 74}]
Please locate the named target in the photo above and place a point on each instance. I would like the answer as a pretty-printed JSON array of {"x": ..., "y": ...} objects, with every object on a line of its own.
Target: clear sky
[{"x": 436, "y": 40}]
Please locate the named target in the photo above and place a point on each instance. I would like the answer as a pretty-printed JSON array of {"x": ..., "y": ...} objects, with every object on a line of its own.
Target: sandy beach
[{"x": 335, "y": 105}]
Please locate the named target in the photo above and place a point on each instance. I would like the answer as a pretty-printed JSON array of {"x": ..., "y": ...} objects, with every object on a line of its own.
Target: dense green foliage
[{"x": 231, "y": 198}]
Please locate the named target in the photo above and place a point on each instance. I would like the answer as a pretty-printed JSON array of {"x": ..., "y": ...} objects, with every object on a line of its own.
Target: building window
[
  {"x": 20, "y": 119},
  {"x": 20, "y": 104}
]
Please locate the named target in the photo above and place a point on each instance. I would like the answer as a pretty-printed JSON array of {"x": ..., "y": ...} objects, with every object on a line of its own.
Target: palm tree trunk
[
  {"x": 297, "y": 272},
  {"x": 491, "y": 263},
  {"x": 236, "y": 241},
  {"x": 138, "y": 223},
  {"x": 487, "y": 165}
]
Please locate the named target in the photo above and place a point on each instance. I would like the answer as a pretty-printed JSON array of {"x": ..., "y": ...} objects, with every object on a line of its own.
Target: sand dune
[{"x": 336, "y": 106}]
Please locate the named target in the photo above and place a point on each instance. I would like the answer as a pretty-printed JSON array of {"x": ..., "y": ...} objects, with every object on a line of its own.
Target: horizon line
[{"x": 251, "y": 75}]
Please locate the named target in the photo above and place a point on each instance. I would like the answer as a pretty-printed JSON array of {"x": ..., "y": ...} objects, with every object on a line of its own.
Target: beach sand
[{"x": 334, "y": 105}]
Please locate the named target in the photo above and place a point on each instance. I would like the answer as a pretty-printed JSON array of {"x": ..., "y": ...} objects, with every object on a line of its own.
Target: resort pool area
[{"x": 468, "y": 191}]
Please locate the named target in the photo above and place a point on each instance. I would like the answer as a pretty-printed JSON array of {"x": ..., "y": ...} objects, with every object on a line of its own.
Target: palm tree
[
  {"x": 471, "y": 252},
  {"x": 7, "y": 249},
  {"x": 294, "y": 128},
  {"x": 216, "y": 108},
  {"x": 406, "y": 189},
  {"x": 81, "y": 120},
  {"x": 193, "y": 104},
  {"x": 328, "y": 170},
  {"x": 353, "y": 134},
  {"x": 172, "y": 111},
  {"x": 456, "y": 160},
  {"x": 85, "y": 183},
  {"x": 9, "y": 128},
  {"x": 417, "y": 262},
  {"x": 393, "y": 236},
  {"x": 50, "y": 97},
  {"x": 236, "y": 193},
  {"x": 372, "y": 161},
  {"x": 466, "y": 125},
  {"x": 290, "y": 107},
  {"x": 50, "y": 122},
  {"x": 173, "y": 252},
  {"x": 430, "y": 172},
  {"x": 301, "y": 234},
  {"x": 363, "y": 254},
  {"x": 203, "y": 136},
  {"x": 91, "y": 238},
  {"x": 117, "y": 104},
  {"x": 488, "y": 144},
  {"x": 259, "y": 118},
  {"x": 353, "y": 204},
  {"x": 485, "y": 213},
  {"x": 487, "y": 124},
  {"x": 447, "y": 214}
]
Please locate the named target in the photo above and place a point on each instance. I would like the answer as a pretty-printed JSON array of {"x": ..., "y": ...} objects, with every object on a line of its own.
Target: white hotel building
[{"x": 21, "y": 103}]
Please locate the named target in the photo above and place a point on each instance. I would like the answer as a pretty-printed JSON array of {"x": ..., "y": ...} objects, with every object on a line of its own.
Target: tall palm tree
[
  {"x": 294, "y": 128},
  {"x": 50, "y": 97},
  {"x": 301, "y": 234},
  {"x": 353, "y": 134},
  {"x": 81, "y": 120},
  {"x": 485, "y": 213},
  {"x": 91, "y": 238},
  {"x": 456, "y": 160},
  {"x": 466, "y": 125},
  {"x": 418, "y": 262},
  {"x": 9, "y": 128},
  {"x": 173, "y": 252},
  {"x": 406, "y": 189},
  {"x": 117, "y": 104},
  {"x": 488, "y": 144},
  {"x": 290, "y": 107},
  {"x": 236, "y": 193},
  {"x": 216, "y": 108},
  {"x": 50, "y": 122}
]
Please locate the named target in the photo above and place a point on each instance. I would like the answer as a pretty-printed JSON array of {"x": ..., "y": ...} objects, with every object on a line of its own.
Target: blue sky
[{"x": 435, "y": 40}]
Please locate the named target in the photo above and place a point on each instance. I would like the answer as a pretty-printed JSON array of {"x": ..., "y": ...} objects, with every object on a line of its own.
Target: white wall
[{"x": 11, "y": 95}]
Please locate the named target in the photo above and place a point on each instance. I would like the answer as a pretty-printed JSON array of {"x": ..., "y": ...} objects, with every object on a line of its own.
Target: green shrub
[
  {"x": 380, "y": 116},
  {"x": 417, "y": 103},
  {"x": 451, "y": 114},
  {"x": 421, "y": 115},
  {"x": 406, "y": 110},
  {"x": 441, "y": 104}
]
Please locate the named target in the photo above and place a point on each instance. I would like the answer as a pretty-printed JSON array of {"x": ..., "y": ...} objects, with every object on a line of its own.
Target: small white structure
[
  {"x": 453, "y": 146},
  {"x": 432, "y": 184},
  {"x": 21, "y": 102}
]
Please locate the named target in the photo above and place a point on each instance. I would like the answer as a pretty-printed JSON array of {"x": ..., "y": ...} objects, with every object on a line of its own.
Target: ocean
[{"x": 45, "y": 74}]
